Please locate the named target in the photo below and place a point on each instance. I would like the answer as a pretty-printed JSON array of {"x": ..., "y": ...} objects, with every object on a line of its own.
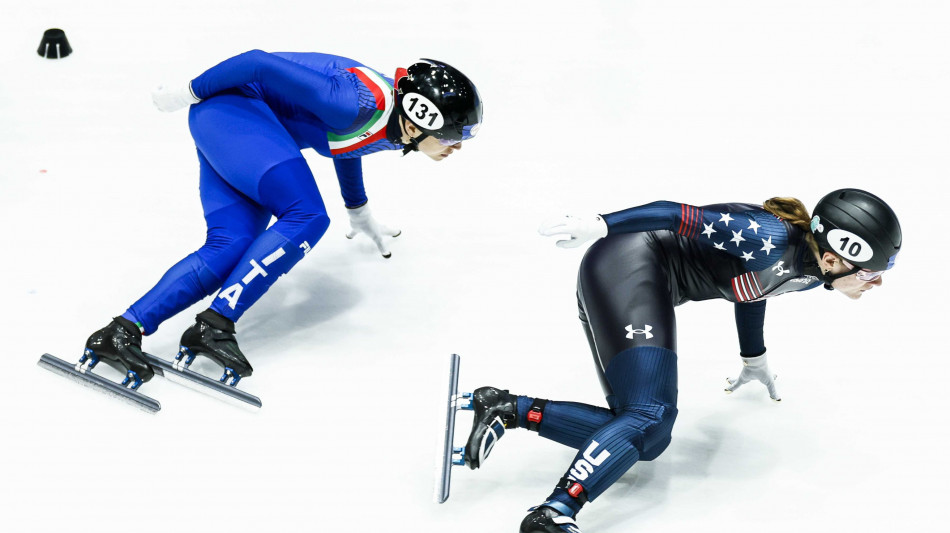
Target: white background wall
[{"x": 589, "y": 107}]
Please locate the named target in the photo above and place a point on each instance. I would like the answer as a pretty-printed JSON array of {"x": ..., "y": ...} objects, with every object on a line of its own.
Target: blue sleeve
[
  {"x": 749, "y": 233},
  {"x": 350, "y": 174},
  {"x": 750, "y": 319},
  {"x": 649, "y": 217},
  {"x": 331, "y": 99}
]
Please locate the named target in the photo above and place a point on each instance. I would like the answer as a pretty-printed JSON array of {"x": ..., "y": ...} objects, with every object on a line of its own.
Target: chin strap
[
  {"x": 828, "y": 279},
  {"x": 811, "y": 267},
  {"x": 413, "y": 145}
]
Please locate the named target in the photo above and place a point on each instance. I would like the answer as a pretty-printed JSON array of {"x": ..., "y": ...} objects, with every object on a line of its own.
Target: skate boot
[
  {"x": 213, "y": 337},
  {"x": 495, "y": 411},
  {"x": 543, "y": 519},
  {"x": 119, "y": 345}
]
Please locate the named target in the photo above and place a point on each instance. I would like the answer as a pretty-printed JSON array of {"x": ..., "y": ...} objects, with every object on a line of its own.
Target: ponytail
[{"x": 795, "y": 212}]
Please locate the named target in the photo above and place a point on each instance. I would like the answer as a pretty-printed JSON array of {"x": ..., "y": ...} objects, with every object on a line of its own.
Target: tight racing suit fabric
[
  {"x": 258, "y": 111},
  {"x": 654, "y": 258}
]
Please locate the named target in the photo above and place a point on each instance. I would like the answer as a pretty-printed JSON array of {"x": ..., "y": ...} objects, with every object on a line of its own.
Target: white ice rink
[{"x": 589, "y": 107}]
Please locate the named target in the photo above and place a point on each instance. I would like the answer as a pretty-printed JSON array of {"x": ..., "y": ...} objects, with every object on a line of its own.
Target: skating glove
[
  {"x": 362, "y": 221},
  {"x": 755, "y": 368},
  {"x": 580, "y": 229},
  {"x": 172, "y": 99}
]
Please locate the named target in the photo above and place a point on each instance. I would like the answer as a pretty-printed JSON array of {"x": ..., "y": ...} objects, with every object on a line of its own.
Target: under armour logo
[
  {"x": 779, "y": 271},
  {"x": 645, "y": 331}
]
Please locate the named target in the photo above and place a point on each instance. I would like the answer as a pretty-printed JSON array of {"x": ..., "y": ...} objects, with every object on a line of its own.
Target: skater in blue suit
[
  {"x": 250, "y": 117},
  {"x": 648, "y": 260}
]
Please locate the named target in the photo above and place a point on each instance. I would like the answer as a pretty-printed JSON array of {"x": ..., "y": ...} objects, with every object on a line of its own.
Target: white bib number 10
[{"x": 849, "y": 245}]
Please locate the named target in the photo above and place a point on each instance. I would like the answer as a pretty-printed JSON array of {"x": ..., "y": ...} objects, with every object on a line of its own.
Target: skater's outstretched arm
[
  {"x": 741, "y": 230},
  {"x": 349, "y": 172},
  {"x": 329, "y": 98},
  {"x": 750, "y": 319}
]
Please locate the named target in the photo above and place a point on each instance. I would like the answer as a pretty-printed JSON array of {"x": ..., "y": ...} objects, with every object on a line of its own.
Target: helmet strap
[
  {"x": 829, "y": 279},
  {"x": 812, "y": 267},
  {"x": 413, "y": 145}
]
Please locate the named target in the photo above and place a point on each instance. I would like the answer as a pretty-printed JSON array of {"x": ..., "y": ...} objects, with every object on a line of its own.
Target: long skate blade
[
  {"x": 451, "y": 409},
  {"x": 107, "y": 386},
  {"x": 168, "y": 370}
]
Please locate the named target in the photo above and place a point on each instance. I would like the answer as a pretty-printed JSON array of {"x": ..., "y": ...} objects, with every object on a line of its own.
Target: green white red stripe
[{"x": 375, "y": 127}]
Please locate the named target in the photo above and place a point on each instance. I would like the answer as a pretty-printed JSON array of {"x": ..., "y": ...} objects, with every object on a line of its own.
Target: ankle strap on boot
[
  {"x": 573, "y": 489},
  {"x": 535, "y": 414}
]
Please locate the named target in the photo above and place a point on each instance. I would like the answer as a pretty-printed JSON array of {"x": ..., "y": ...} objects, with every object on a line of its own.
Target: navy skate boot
[
  {"x": 495, "y": 411},
  {"x": 543, "y": 519},
  {"x": 213, "y": 337},
  {"x": 119, "y": 345}
]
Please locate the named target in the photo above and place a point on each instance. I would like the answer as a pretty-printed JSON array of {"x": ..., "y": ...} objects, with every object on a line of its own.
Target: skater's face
[
  {"x": 430, "y": 146},
  {"x": 437, "y": 151},
  {"x": 851, "y": 286}
]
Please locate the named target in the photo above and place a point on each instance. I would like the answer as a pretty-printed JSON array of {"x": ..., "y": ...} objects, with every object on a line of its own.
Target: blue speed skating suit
[
  {"x": 257, "y": 112},
  {"x": 656, "y": 257}
]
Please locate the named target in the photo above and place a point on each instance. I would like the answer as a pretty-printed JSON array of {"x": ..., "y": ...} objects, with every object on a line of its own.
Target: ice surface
[{"x": 589, "y": 107}]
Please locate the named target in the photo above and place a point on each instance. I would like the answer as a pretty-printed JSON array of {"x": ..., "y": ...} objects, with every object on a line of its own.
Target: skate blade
[
  {"x": 202, "y": 383},
  {"x": 450, "y": 455},
  {"x": 99, "y": 383}
]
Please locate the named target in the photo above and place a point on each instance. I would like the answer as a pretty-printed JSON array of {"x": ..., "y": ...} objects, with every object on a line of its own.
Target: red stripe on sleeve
[
  {"x": 755, "y": 284},
  {"x": 377, "y": 93},
  {"x": 749, "y": 288}
]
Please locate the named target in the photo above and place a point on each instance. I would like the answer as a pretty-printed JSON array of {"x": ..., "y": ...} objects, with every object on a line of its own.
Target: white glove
[
  {"x": 362, "y": 221},
  {"x": 755, "y": 368},
  {"x": 581, "y": 229},
  {"x": 168, "y": 99}
]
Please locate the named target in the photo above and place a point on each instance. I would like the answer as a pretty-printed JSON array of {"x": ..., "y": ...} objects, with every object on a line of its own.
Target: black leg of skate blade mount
[
  {"x": 85, "y": 376},
  {"x": 452, "y": 456},
  {"x": 165, "y": 368}
]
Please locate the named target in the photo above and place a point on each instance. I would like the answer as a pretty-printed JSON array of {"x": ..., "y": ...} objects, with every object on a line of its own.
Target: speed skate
[
  {"x": 128, "y": 390},
  {"x": 452, "y": 455},
  {"x": 82, "y": 372},
  {"x": 226, "y": 385}
]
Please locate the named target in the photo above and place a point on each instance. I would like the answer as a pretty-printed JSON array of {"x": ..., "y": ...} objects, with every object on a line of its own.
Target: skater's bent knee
[
  {"x": 654, "y": 427},
  {"x": 654, "y": 449},
  {"x": 222, "y": 253},
  {"x": 307, "y": 228}
]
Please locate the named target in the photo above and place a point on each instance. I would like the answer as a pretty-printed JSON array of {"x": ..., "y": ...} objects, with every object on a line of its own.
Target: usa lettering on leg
[
  {"x": 585, "y": 467},
  {"x": 233, "y": 293}
]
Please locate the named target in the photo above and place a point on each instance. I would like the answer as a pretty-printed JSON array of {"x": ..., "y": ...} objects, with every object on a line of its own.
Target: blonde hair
[{"x": 795, "y": 212}]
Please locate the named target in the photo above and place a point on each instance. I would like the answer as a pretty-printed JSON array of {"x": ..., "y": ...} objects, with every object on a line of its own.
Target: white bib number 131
[{"x": 422, "y": 111}]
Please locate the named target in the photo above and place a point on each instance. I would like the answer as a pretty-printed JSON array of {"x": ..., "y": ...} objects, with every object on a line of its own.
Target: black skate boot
[
  {"x": 495, "y": 411},
  {"x": 213, "y": 337},
  {"x": 119, "y": 345},
  {"x": 544, "y": 519}
]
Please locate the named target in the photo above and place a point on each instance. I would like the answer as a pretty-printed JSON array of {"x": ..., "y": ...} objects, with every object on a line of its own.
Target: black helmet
[
  {"x": 859, "y": 227},
  {"x": 440, "y": 100}
]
